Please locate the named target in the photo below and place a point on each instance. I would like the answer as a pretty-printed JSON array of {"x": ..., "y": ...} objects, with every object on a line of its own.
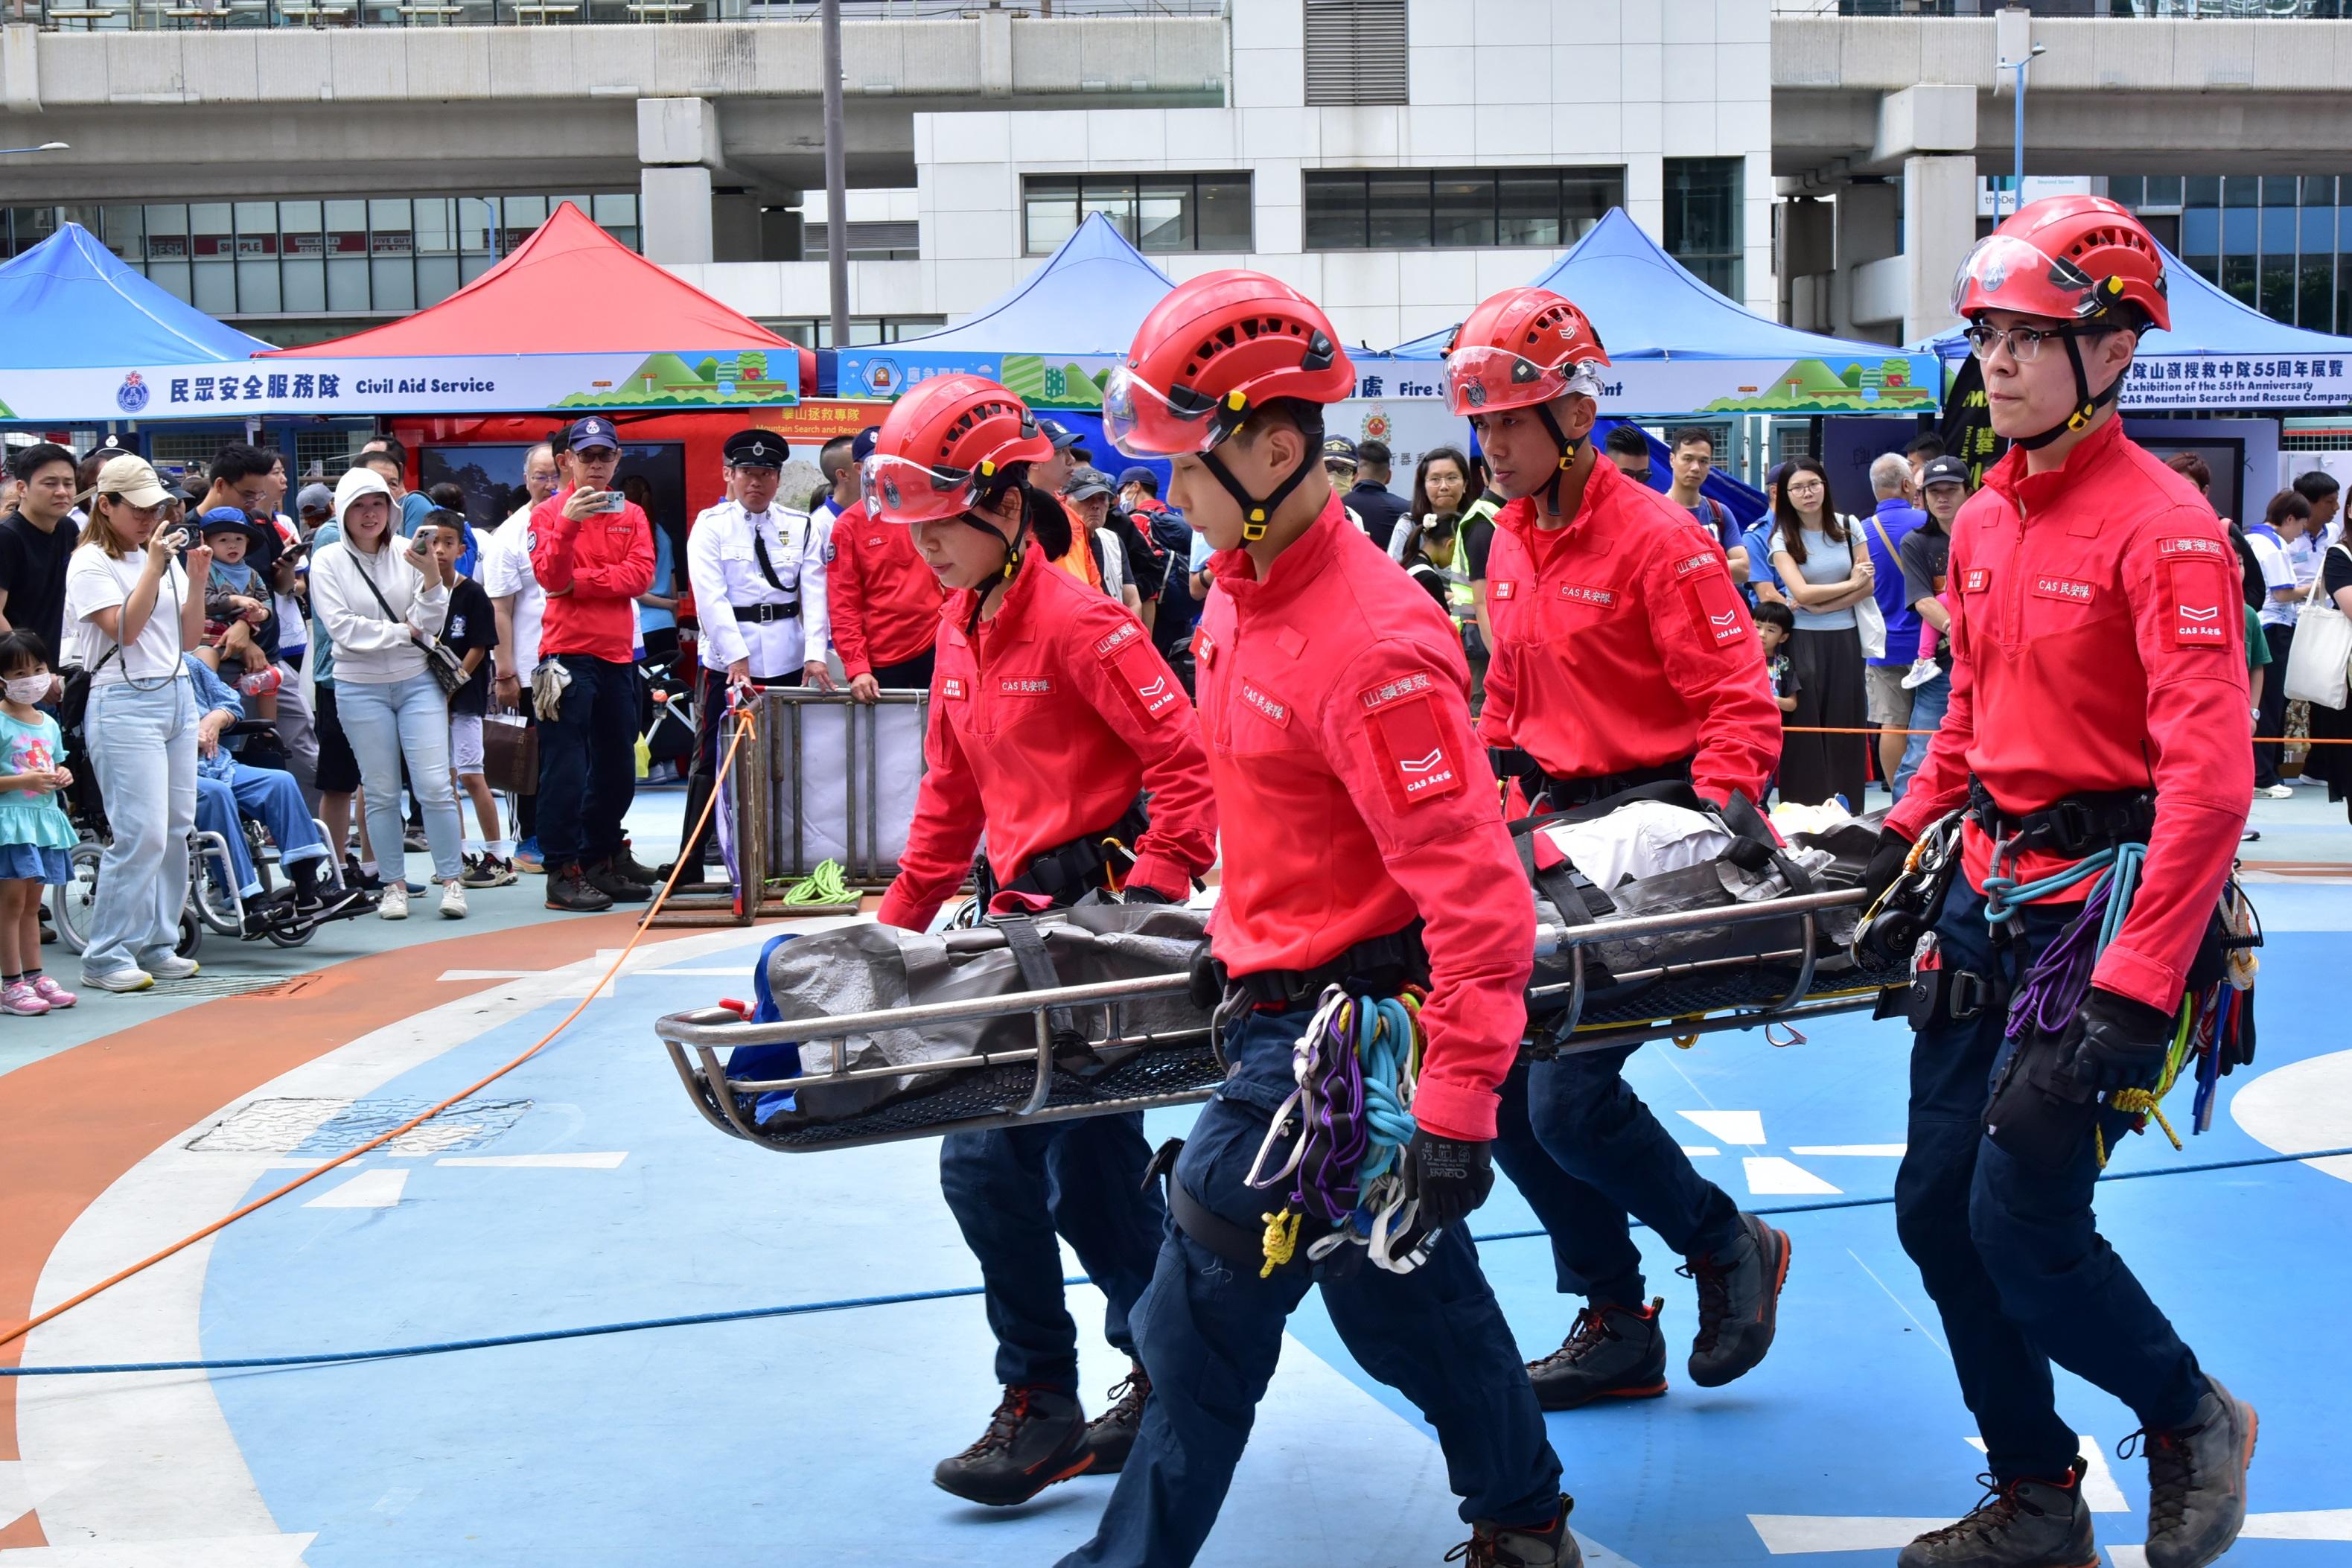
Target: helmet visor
[
  {"x": 1483, "y": 378},
  {"x": 1142, "y": 421},
  {"x": 2006, "y": 273},
  {"x": 899, "y": 490}
]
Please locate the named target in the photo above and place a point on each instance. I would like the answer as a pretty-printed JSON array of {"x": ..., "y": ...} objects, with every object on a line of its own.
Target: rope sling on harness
[{"x": 1355, "y": 1065}]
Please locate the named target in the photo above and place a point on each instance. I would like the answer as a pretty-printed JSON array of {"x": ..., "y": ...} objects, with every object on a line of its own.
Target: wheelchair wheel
[
  {"x": 71, "y": 902},
  {"x": 192, "y": 935},
  {"x": 296, "y": 937},
  {"x": 209, "y": 899}
]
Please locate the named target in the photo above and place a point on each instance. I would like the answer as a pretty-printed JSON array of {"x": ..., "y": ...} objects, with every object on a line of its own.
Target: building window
[
  {"x": 1422, "y": 209},
  {"x": 1356, "y": 51},
  {"x": 866, "y": 242},
  {"x": 1703, "y": 202},
  {"x": 1155, "y": 212},
  {"x": 816, "y": 331},
  {"x": 2275, "y": 243}
]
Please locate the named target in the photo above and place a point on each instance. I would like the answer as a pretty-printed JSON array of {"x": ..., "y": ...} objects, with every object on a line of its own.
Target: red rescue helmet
[
  {"x": 1216, "y": 347},
  {"x": 942, "y": 443},
  {"x": 2071, "y": 257},
  {"x": 1521, "y": 348}
]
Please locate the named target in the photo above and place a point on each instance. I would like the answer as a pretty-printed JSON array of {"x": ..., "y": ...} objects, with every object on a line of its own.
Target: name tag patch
[
  {"x": 1975, "y": 580},
  {"x": 1409, "y": 743},
  {"x": 1141, "y": 675},
  {"x": 951, "y": 686},
  {"x": 2209, "y": 547},
  {"x": 1272, "y": 707},
  {"x": 1117, "y": 640},
  {"x": 1204, "y": 647},
  {"x": 1507, "y": 589},
  {"x": 1698, "y": 563},
  {"x": 1717, "y": 608},
  {"x": 2065, "y": 590},
  {"x": 1604, "y": 597},
  {"x": 1024, "y": 685}
]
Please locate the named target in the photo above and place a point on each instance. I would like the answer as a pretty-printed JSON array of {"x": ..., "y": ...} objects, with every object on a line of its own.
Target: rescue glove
[
  {"x": 1886, "y": 863},
  {"x": 1890, "y": 935},
  {"x": 2115, "y": 1043},
  {"x": 1447, "y": 1176}
]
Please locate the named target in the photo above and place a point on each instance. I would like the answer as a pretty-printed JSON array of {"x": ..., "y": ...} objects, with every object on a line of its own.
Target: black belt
[
  {"x": 1382, "y": 965},
  {"x": 2078, "y": 826},
  {"x": 762, "y": 615},
  {"x": 1068, "y": 871},
  {"x": 1566, "y": 794},
  {"x": 1238, "y": 1244}
]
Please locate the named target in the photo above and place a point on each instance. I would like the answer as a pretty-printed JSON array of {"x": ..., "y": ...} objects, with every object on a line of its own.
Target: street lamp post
[
  {"x": 43, "y": 147},
  {"x": 2017, "y": 141}
]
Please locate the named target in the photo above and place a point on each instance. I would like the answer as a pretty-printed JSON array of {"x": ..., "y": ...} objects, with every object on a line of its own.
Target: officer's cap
[{"x": 756, "y": 450}]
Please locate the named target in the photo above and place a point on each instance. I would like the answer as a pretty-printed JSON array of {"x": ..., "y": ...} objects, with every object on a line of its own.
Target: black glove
[
  {"x": 2116, "y": 1043},
  {"x": 1448, "y": 1176},
  {"x": 1146, "y": 896},
  {"x": 1885, "y": 865}
]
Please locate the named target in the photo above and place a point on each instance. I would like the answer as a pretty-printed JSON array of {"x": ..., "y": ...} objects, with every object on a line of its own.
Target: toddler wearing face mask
[{"x": 34, "y": 832}]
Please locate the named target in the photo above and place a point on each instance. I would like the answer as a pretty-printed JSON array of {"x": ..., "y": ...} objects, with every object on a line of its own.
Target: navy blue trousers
[
  {"x": 2012, "y": 1252},
  {"x": 1011, "y": 1189},
  {"x": 1211, "y": 1331},
  {"x": 588, "y": 764},
  {"x": 1585, "y": 1152}
]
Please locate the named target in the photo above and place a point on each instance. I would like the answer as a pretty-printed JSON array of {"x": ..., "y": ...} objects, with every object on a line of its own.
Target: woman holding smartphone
[
  {"x": 382, "y": 600},
  {"x": 130, "y": 611}
]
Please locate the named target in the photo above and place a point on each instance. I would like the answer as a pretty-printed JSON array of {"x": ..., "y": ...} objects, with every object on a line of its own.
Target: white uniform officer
[{"x": 758, "y": 572}]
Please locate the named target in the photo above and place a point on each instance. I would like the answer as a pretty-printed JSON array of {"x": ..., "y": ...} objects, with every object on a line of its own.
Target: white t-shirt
[
  {"x": 2277, "y": 572},
  {"x": 96, "y": 581},
  {"x": 506, "y": 572}
]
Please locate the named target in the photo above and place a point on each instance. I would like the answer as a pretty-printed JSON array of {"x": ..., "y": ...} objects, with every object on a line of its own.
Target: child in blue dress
[{"x": 34, "y": 832}]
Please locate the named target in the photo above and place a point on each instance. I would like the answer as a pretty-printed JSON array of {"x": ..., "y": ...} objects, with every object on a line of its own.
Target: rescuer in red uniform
[
  {"x": 882, "y": 600},
  {"x": 1052, "y": 720},
  {"x": 2097, "y": 676},
  {"x": 1622, "y": 656},
  {"x": 1362, "y": 848}
]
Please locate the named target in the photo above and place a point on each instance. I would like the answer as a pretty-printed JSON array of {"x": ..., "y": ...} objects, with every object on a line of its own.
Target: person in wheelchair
[{"x": 230, "y": 790}]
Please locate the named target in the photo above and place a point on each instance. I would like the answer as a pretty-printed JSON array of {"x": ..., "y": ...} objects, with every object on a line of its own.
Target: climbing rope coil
[{"x": 1350, "y": 1117}]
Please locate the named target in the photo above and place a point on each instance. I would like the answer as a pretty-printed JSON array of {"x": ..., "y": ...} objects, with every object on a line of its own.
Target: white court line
[
  {"x": 1883, "y": 1150},
  {"x": 2100, "y": 1492},
  {"x": 1768, "y": 1174},
  {"x": 1908, "y": 1313},
  {"x": 1697, "y": 1150},
  {"x": 1744, "y": 1128}
]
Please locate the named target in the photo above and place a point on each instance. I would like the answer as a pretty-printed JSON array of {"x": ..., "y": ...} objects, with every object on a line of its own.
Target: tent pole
[{"x": 836, "y": 214}]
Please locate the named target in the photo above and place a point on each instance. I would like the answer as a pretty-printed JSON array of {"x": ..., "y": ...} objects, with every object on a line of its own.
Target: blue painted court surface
[{"x": 809, "y": 1439}]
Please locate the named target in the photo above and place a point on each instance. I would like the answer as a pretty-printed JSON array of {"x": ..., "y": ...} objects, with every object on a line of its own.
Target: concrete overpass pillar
[
  {"x": 1867, "y": 239},
  {"x": 678, "y": 144},
  {"x": 1940, "y": 227}
]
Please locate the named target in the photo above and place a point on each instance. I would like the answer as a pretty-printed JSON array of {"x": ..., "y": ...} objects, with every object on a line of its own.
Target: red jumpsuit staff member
[
  {"x": 1051, "y": 713},
  {"x": 1624, "y": 655},
  {"x": 2098, "y": 660},
  {"x": 1355, "y": 803},
  {"x": 882, "y": 599}
]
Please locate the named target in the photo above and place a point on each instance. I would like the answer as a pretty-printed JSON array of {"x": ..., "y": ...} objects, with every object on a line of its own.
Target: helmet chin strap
[
  {"x": 2087, "y": 403},
  {"x": 1568, "y": 451},
  {"x": 1257, "y": 511},
  {"x": 1012, "y": 552}
]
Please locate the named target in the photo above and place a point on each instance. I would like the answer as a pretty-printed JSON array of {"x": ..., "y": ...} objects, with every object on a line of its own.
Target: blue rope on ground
[{"x": 852, "y": 1303}]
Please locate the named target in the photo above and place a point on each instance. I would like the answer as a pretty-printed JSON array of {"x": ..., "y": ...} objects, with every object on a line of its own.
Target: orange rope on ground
[
  {"x": 2258, "y": 740},
  {"x": 725, "y": 762}
]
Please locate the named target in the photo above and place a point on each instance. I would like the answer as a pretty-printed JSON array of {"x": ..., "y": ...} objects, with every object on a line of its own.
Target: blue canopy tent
[
  {"x": 78, "y": 319},
  {"x": 2221, "y": 354}
]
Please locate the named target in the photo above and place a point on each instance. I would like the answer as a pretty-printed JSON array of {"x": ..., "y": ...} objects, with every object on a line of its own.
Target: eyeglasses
[{"x": 2024, "y": 343}]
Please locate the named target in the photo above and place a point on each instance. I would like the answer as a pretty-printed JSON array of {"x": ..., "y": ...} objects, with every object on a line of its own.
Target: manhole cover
[{"x": 326, "y": 1127}]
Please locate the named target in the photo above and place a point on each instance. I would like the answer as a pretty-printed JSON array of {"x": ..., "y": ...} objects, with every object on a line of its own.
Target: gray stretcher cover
[{"x": 868, "y": 968}]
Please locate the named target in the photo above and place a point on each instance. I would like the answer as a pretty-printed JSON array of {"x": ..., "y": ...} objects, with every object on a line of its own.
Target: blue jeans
[
  {"x": 269, "y": 796},
  {"x": 1585, "y": 1152},
  {"x": 1011, "y": 1189},
  {"x": 143, "y": 747},
  {"x": 588, "y": 764},
  {"x": 2011, "y": 1254},
  {"x": 1210, "y": 1331},
  {"x": 1928, "y": 704},
  {"x": 388, "y": 721}
]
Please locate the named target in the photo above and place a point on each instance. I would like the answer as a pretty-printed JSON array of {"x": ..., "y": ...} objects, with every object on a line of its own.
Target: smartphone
[
  {"x": 175, "y": 540},
  {"x": 614, "y": 502}
]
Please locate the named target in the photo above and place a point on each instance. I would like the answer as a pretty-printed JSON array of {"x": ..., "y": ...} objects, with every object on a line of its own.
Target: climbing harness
[{"x": 1355, "y": 1065}]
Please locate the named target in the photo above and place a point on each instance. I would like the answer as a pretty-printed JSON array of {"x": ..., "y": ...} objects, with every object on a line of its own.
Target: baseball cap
[
  {"x": 131, "y": 477},
  {"x": 1061, "y": 435},
  {"x": 594, "y": 432},
  {"x": 1137, "y": 474},
  {"x": 868, "y": 439},
  {"x": 1780, "y": 472},
  {"x": 1945, "y": 470},
  {"x": 1339, "y": 450},
  {"x": 1087, "y": 483},
  {"x": 224, "y": 517},
  {"x": 315, "y": 497}
]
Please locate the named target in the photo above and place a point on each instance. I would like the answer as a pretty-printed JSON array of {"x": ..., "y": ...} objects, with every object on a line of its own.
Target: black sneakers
[
  {"x": 2197, "y": 1481},
  {"x": 2025, "y": 1524},
  {"x": 1738, "y": 1302},
  {"x": 568, "y": 890},
  {"x": 1492, "y": 1546},
  {"x": 1111, "y": 1435},
  {"x": 1613, "y": 1353},
  {"x": 607, "y": 878},
  {"x": 1036, "y": 1437}
]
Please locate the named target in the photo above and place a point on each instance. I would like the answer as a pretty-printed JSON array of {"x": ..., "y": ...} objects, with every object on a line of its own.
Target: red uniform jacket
[
  {"x": 2098, "y": 644},
  {"x": 606, "y": 561},
  {"x": 1354, "y": 798},
  {"x": 883, "y": 597},
  {"x": 1045, "y": 727},
  {"x": 1621, "y": 642}
]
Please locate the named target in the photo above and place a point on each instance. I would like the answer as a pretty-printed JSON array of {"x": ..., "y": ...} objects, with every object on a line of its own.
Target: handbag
[
  {"x": 441, "y": 661},
  {"x": 510, "y": 753},
  {"x": 1869, "y": 620},
  {"x": 2319, "y": 660}
]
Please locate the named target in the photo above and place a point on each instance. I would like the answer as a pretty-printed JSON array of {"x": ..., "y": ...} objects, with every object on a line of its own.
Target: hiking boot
[
  {"x": 2024, "y": 1524},
  {"x": 1738, "y": 1302},
  {"x": 568, "y": 890},
  {"x": 620, "y": 889},
  {"x": 1111, "y": 1435},
  {"x": 627, "y": 864},
  {"x": 2197, "y": 1481},
  {"x": 1036, "y": 1438},
  {"x": 1493, "y": 1545},
  {"x": 1612, "y": 1352}
]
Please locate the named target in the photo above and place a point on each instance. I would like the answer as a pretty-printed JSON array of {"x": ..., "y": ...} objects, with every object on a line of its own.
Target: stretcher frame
[{"x": 695, "y": 1038}]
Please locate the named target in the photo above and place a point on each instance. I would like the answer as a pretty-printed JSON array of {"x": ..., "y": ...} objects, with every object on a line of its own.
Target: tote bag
[
  {"x": 2316, "y": 663},
  {"x": 1869, "y": 620}
]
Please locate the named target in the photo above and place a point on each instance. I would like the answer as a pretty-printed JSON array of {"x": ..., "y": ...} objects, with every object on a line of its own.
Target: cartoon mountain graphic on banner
[
  {"x": 1811, "y": 385},
  {"x": 1042, "y": 385},
  {"x": 671, "y": 380}
]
